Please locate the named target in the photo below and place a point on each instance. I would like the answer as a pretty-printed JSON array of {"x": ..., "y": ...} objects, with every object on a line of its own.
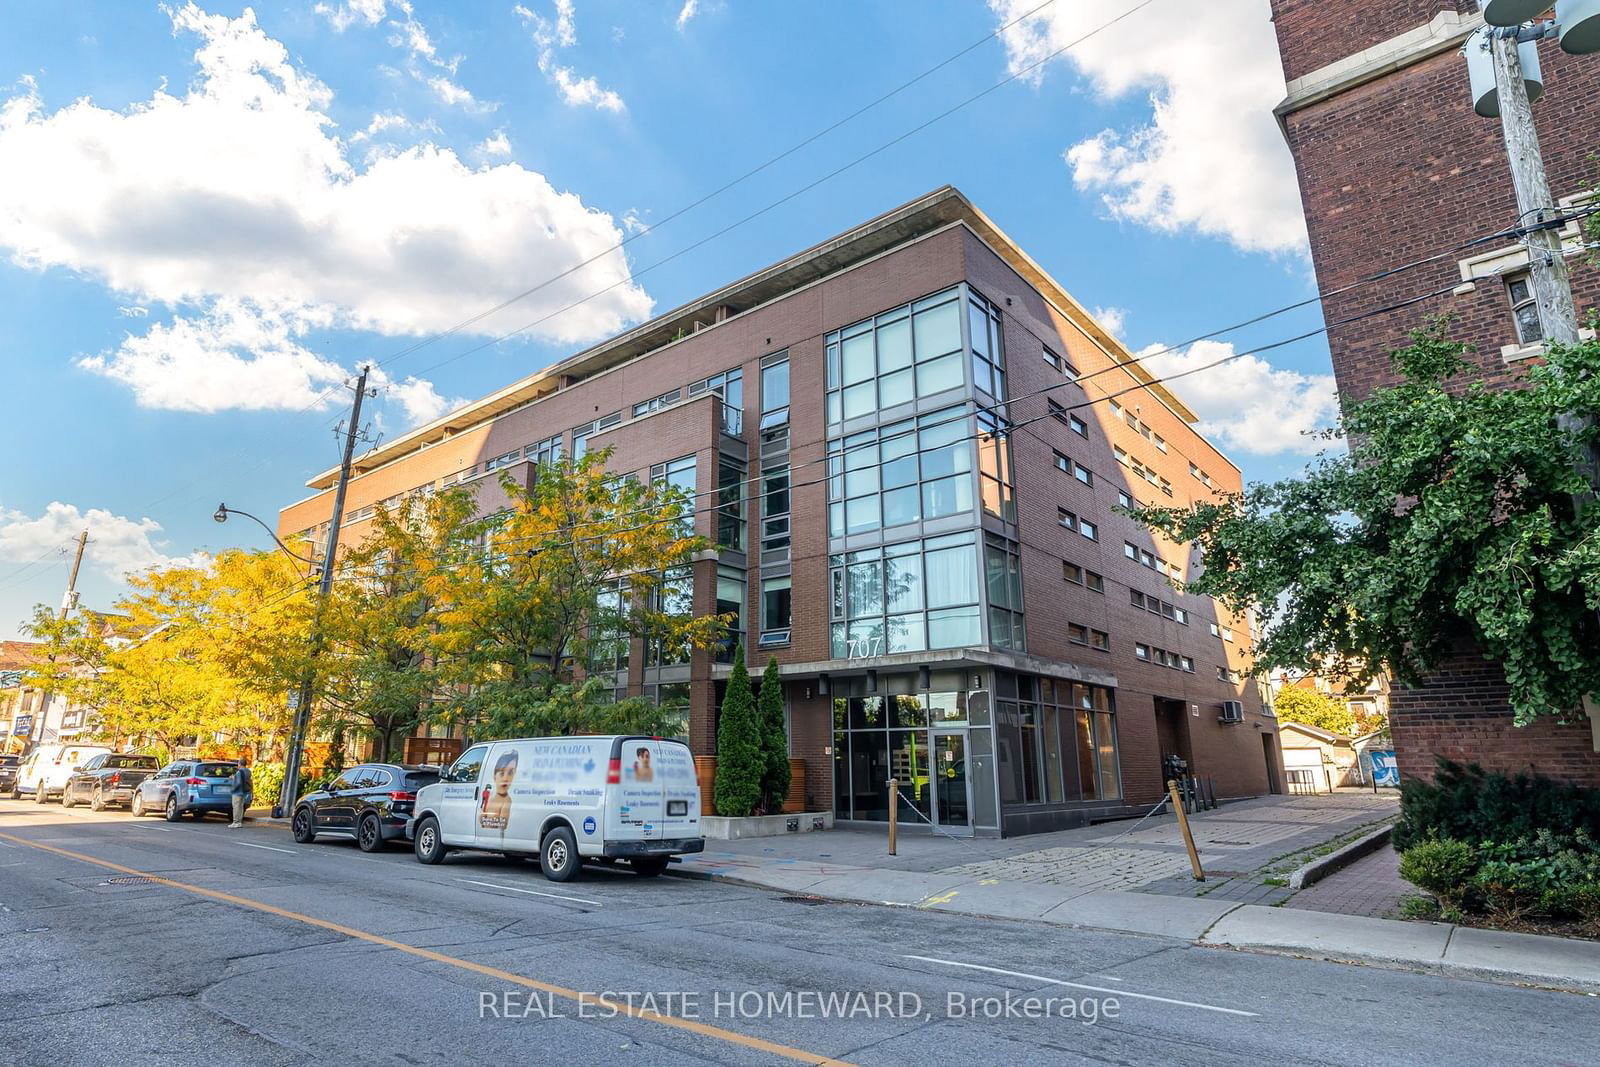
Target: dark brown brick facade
[{"x": 1394, "y": 170}]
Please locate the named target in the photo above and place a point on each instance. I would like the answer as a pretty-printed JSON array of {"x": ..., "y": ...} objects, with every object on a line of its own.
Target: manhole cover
[
  {"x": 810, "y": 901},
  {"x": 131, "y": 880}
]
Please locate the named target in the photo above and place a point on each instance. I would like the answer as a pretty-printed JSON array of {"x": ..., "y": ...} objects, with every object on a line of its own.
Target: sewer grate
[
  {"x": 809, "y": 901},
  {"x": 131, "y": 880}
]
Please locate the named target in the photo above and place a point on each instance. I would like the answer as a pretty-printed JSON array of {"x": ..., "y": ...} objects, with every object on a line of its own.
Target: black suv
[
  {"x": 371, "y": 803},
  {"x": 8, "y": 773}
]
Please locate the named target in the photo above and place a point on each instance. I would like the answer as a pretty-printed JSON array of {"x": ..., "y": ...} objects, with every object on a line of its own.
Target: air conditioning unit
[{"x": 1232, "y": 711}]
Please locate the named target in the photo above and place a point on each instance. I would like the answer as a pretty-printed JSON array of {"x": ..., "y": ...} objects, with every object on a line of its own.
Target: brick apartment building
[
  {"x": 953, "y": 600},
  {"x": 1394, "y": 166}
]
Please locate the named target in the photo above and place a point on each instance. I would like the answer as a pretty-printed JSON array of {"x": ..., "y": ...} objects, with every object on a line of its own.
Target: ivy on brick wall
[{"x": 1451, "y": 510}]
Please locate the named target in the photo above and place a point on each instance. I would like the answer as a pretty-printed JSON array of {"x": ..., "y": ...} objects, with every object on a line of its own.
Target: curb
[{"x": 1320, "y": 868}]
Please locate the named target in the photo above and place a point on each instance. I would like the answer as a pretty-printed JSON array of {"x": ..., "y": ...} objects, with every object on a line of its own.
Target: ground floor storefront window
[
  {"x": 942, "y": 761},
  {"x": 968, "y": 761}
]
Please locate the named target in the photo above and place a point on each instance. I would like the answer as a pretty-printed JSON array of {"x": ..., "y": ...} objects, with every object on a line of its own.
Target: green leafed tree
[
  {"x": 380, "y": 674},
  {"x": 741, "y": 762},
  {"x": 576, "y": 565},
  {"x": 1311, "y": 708},
  {"x": 1451, "y": 516},
  {"x": 774, "y": 739}
]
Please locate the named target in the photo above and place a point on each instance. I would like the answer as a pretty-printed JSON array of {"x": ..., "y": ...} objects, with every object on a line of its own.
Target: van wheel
[
  {"x": 305, "y": 831},
  {"x": 369, "y": 836},
  {"x": 41, "y": 795},
  {"x": 429, "y": 846},
  {"x": 558, "y": 855},
  {"x": 649, "y": 866},
  {"x": 172, "y": 813}
]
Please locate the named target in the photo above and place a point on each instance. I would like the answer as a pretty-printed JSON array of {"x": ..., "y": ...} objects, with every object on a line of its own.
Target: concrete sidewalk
[{"x": 1206, "y": 920}]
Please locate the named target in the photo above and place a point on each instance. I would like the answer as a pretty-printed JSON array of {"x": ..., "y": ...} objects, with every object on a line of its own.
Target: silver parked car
[{"x": 187, "y": 787}]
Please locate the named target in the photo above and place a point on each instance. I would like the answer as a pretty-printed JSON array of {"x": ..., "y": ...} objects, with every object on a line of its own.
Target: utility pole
[
  {"x": 1547, "y": 261},
  {"x": 290, "y": 791},
  {"x": 67, "y": 601}
]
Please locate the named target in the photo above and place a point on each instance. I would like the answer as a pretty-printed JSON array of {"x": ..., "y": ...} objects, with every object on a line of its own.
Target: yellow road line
[{"x": 693, "y": 1026}]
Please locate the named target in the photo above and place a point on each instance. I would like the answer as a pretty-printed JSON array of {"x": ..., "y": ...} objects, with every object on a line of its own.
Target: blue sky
[{"x": 209, "y": 213}]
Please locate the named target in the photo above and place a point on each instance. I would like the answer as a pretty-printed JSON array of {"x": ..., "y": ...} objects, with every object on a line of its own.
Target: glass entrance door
[{"x": 952, "y": 802}]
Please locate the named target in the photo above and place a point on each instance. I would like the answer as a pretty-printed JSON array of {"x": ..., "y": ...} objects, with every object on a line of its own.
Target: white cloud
[
  {"x": 237, "y": 207},
  {"x": 133, "y": 311},
  {"x": 1248, "y": 404},
  {"x": 633, "y": 221},
  {"x": 1112, "y": 318},
  {"x": 457, "y": 95},
  {"x": 584, "y": 92},
  {"x": 117, "y": 545},
  {"x": 345, "y": 15},
  {"x": 576, "y": 90},
  {"x": 1211, "y": 159},
  {"x": 233, "y": 357},
  {"x": 499, "y": 146},
  {"x": 421, "y": 401},
  {"x": 687, "y": 12},
  {"x": 385, "y": 121}
]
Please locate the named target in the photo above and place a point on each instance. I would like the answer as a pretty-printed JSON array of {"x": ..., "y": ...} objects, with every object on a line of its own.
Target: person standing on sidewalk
[{"x": 243, "y": 790}]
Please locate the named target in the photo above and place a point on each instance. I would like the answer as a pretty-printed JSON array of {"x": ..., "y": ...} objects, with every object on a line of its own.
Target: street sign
[
  {"x": 1385, "y": 771},
  {"x": 23, "y": 727}
]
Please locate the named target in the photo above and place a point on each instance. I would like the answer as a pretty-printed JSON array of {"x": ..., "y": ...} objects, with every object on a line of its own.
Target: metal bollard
[{"x": 894, "y": 812}]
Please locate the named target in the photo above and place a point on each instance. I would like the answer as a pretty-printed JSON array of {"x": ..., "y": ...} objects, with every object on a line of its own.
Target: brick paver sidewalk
[{"x": 1370, "y": 886}]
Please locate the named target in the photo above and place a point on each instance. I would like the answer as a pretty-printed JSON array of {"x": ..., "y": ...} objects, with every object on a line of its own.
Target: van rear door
[
  {"x": 637, "y": 805},
  {"x": 680, "y": 790}
]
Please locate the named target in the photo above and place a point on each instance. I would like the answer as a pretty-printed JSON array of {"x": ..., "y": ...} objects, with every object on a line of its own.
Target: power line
[
  {"x": 885, "y": 146},
  {"x": 713, "y": 194}
]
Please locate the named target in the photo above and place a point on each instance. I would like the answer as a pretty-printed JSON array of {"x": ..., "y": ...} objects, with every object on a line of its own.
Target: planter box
[
  {"x": 722, "y": 828},
  {"x": 705, "y": 770}
]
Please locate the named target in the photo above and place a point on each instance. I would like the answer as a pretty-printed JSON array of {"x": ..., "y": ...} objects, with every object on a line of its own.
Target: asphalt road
[{"x": 249, "y": 948}]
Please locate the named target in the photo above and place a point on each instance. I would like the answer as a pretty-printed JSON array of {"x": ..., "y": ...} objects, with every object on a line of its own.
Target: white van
[
  {"x": 565, "y": 800},
  {"x": 48, "y": 767}
]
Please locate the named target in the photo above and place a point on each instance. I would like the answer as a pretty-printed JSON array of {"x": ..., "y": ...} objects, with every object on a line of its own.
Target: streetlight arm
[{"x": 223, "y": 511}]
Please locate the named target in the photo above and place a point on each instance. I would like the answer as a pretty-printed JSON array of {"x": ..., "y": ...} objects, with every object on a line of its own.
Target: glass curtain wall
[{"x": 906, "y": 597}]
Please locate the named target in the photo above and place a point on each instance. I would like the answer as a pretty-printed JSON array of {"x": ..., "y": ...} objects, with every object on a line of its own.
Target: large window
[
  {"x": 912, "y": 351},
  {"x": 609, "y": 641},
  {"x": 776, "y": 610},
  {"x": 994, "y": 468},
  {"x": 546, "y": 451},
  {"x": 774, "y": 390},
  {"x": 730, "y": 601},
  {"x": 674, "y": 596},
  {"x": 730, "y": 502},
  {"x": 679, "y": 473},
  {"x": 902, "y": 472},
  {"x": 1003, "y": 576},
  {"x": 988, "y": 364},
  {"x": 905, "y": 598},
  {"x": 775, "y": 513}
]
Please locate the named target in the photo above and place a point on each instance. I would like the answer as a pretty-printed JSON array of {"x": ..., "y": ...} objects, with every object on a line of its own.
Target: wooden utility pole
[
  {"x": 1188, "y": 835},
  {"x": 37, "y": 730},
  {"x": 289, "y": 792},
  {"x": 1547, "y": 261}
]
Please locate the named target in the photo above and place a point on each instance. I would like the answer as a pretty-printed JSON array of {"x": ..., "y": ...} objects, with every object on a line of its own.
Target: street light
[{"x": 222, "y": 513}]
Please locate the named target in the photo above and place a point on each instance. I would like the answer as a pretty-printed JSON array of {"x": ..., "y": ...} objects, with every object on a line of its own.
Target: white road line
[
  {"x": 533, "y": 892},
  {"x": 153, "y": 826},
  {"x": 1079, "y": 985},
  {"x": 269, "y": 848}
]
